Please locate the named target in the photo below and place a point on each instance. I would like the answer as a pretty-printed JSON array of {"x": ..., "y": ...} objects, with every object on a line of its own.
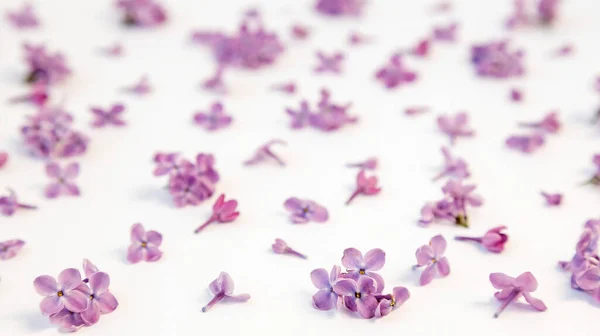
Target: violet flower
[
  {"x": 289, "y": 87},
  {"x": 550, "y": 123},
  {"x": 364, "y": 186},
  {"x": 331, "y": 63},
  {"x": 264, "y": 152},
  {"x": 67, "y": 320},
  {"x": 493, "y": 240},
  {"x": 358, "y": 295},
  {"x": 357, "y": 266},
  {"x": 190, "y": 190},
  {"x": 330, "y": 116},
  {"x": 395, "y": 74},
  {"x": 512, "y": 289},
  {"x": 300, "y": 32},
  {"x": 368, "y": 164},
  {"x": 525, "y": 143},
  {"x": 455, "y": 126},
  {"x": 101, "y": 300},
  {"x": 38, "y": 96},
  {"x": 111, "y": 116},
  {"x": 141, "y": 88},
  {"x": 326, "y": 298},
  {"x": 340, "y": 7},
  {"x": 300, "y": 117},
  {"x": 432, "y": 256},
  {"x": 391, "y": 301},
  {"x": 495, "y": 60},
  {"x": 3, "y": 159},
  {"x": 216, "y": 83},
  {"x": 461, "y": 197},
  {"x": 142, "y": 13},
  {"x": 144, "y": 245},
  {"x": 167, "y": 163},
  {"x": 205, "y": 167},
  {"x": 214, "y": 119},
  {"x": 281, "y": 247},
  {"x": 222, "y": 288},
  {"x": 304, "y": 211},
  {"x": 453, "y": 166},
  {"x": 516, "y": 95},
  {"x": 445, "y": 33},
  {"x": 552, "y": 199},
  {"x": 9, "y": 204},
  {"x": 63, "y": 183},
  {"x": 441, "y": 210},
  {"x": 416, "y": 110},
  {"x": 23, "y": 18},
  {"x": 45, "y": 68},
  {"x": 421, "y": 49},
  {"x": 10, "y": 248},
  {"x": 223, "y": 212},
  {"x": 62, "y": 293}
]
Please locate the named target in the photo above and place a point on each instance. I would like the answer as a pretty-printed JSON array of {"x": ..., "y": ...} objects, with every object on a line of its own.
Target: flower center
[
  {"x": 361, "y": 271},
  {"x": 144, "y": 244},
  {"x": 92, "y": 297},
  {"x": 433, "y": 260},
  {"x": 357, "y": 295},
  {"x": 461, "y": 220},
  {"x": 60, "y": 293},
  {"x": 305, "y": 210}
]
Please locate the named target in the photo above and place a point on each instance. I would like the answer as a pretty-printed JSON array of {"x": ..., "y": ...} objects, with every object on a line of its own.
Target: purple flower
[
  {"x": 550, "y": 123},
  {"x": 516, "y": 95},
  {"x": 289, "y": 87},
  {"x": 108, "y": 117},
  {"x": 205, "y": 167},
  {"x": 3, "y": 159},
  {"x": 368, "y": 164},
  {"x": 331, "y": 63},
  {"x": 330, "y": 116},
  {"x": 432, "y": 256},
  {"x": 23, "y": 18},
  {"x": 223, "y": 212},
  {"x": 357, "y": 265},
  {"x": 38, "y": 96},
  {"x": 552, "y": 199},
  {"x": 461, "y": 197},
  {"x": 358, "y": 295},
  {"x": 391, "y": 301},
  {"x": 445, "y": 33},
  {"x": 281, "y": 247},
  {"x": 170, "y": 163},
  {"x": 301, "y": 117},
  {"x": 221, "y": 288},
  {"x": 340, "y": 7},
  {"x": 189, "y": 189},
  {"x": 395, "y": 74},
  {"x": 264, "y": 152},
  {"x": 589, "y": 280},
  {"x": 142, "y": 13},
  {"x": 493, "y": 240},
  {"x": 455, "y": 126},
  {"x": 114, "y": 50},
  {"x": 216, "y": 83},
  {"x": 300, "y": 32},
  {"x": 365, "y": 186},
  {"x": 63, "y": 180},
  {"x": 9, "y": 204},
  {"x": 547, "y": 11},
  {"x": 61, "y": 294},
  {"x": 144, "y": 245},
  {"x": 141, "y": 88},
  {"x": 326, "y": 298},
  {"x": 214, "y": 119},
  {"x": 304, "y": 211},
  {"x": 68, "y": 321},
  {"x": 10, "y": 248},
  {"x": 441, "y": 210},
  {"x": 416, "y": 110},
  {"x": 525, "y": 143},
  {"x": 495, "y": 60},
  {"x": 512, "y": 289},
  {"x": 453, "y": 166},
  {"x": 45, "y": 68},
  {"x": 101, "y": 300},
  {"x": 356, "y": 38}
]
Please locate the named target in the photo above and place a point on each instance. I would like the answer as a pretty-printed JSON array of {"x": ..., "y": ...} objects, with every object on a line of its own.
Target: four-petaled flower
[
  {"x": 63, "y": 183},
  {"x": 144, "y": 245},
  {"x": 512, "y": 289},
  {"x": 45, "y": 68},
  {"x": 357, "y": 265},
  {"x": 221, "y": 288},
  {"x": 61, "y": 294},
  {"x": 111, "y": 116},
  {"x": 10, "y": 248},
  {"x": 331, "y": 63},
  {"x": 304, "y": 211},
  {"x": 493, "y": 240},
  {"x": 395, "y": 73},
  {"x": 326, "y": 298},
  {"x": 223, "y": 212},
  {"x": 432, "y": 256},
  {"x": 365, "y": 186},
  {"x": 101, "y": 300},
  {"x": 358, "y": 295},
  {"x": 455, "y": 126},
  {"x": 214, "y": 119}
]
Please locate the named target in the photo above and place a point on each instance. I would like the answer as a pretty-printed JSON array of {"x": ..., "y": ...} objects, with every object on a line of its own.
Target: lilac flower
[
  {"x": 23, "y": 18},
  {"x": 300, "y": 32},
  {"x": 455, "y": 126},
  {"x": 101, "y": 300},
  {"x": 550, "y": 123},
  {"x": 493, "y": 240},
  {"x": 445, "y": 33},
  {"x": 326, "y": 298},
  {"x": 453, "y": 166},
  {"x": 300, "y": 117},
  {"x": 67, "y": 320},
  {"x": 9, "y": 204},
  {"x": 432, "y": 256},
  {"x": 108, "y": 117},
  {"x": 38, "y": 96},
  {"x": 304, "y": 211},
  {"x": 358, "y": 295},
  {"x": 331, "y": 63},
  {"x": 552, "y": 199},
  {"x": 223, "y": 212},
  {"x": 264, "y": 152},
  {"x": 525, "y": 143},
  {"x": 142, "y": 13},
  {"x": 144, "y": 245},
  {"x": 516, "y": 95},
  {"x": 365, "y": 186},
  {"x": 221, "y": 288},
  {"x": 586, "y": 252},
  {"x": 167, "y": 163},
  {"x": 63, "y": 183},
  {"x": 289, "y": 87},
  {"x": 61, "y": 294},
  {"x": 589, "y": 280},
  {"x": 89, "y": 269},
  {"x": 330, "y": 116},
  {"x": 340, "y": 7},
  {"x": 189, "y": 189},
  {"x": 391, "y": 301},
  {"x": 114, "y": 50},
  {"x": 3, "y": 159},
  {"x": 495, "y": 60},
  {"x": 461, "y": 197},
  {"x": 10, "y": 248},
  {"x": 141, "y": 88},
  {"x": 512, "y": 289},
  {"x": 368, "y": 164},
  {"x": 441, "y": 210},
  {"x": 45, "y": 68},
  {"x": 214, "y": 119},
  {"x": 281, "y": 247},
  {"x": 205, "y": 167},
  {"x": 547, "y": 11},
  {"x": 395, "y": 74},
  {"x": 416, "y": 110},
  {"x": 357, "y": 265}
]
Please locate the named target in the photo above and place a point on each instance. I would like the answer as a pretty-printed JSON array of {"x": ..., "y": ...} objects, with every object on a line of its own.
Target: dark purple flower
[
  {"x": 550, "y": 123},
  {"x": 300, "y": 32},
  {"x": 525, "y": 143},
  {"x": 10, "y": 248},
  {"x": 326, "y": 298},
  {"x": 331, "y": 63},
  {"x": 214, "y": 119},
  {"x": 9, "y": 204},
  {"x": 62, "y": 293},
  {"x": 223, "y": 212},
  {"x": 495, "y": 60},
  {"x": 445, "y": 33},
  {"x": 391, "y": 301},
  {"x": 304, "y": 211},
  {"x": 108, "y": 117},
  {"x": 516, "y": 95},
  {"x": 493, "y": 240},
  {"x": 357, "y": 266},
  {"x": 63, "y": 180},
  {"x": 3, "y": 159},
  {"x": 144, "y": 245},
  {"x": 189, "y": 189},
  {"x": 395, "y": 74},
  {"x": 38, "y": 96},
  {"x": 455, "y": 126},
  {"x": 416, "y": 110},
  {"x": 365, "y": 186},
  {"x": 141, "y": 88},
  {"x": 552, "y": 199},
  {"x": 512, "y": 289},
  {"x": 23, "y": 18},
  {"x": 101, "y": 300},
  {"x": 340, "y": 7},
  {"x": 281, "y": 247},
  {"x": 289, "y": 87},
  {"x": 264, "y": 152},
  {"x": 221, "y": 288},
  {"x": 142, "y": 13},
  {"x": 368, "y": 164},
  {"x": 358, "y": 295},
  {"x": 453, "y": 166},
  {"x": 432, "y": 256},
  {"x": 45, "y": 68}
]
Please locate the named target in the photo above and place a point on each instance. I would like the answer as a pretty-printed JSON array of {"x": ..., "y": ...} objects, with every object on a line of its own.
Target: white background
[{"x": 166, "y": 298}]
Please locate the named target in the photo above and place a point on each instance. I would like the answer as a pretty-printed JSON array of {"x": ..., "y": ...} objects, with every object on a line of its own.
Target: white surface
[{"x": 118, "y": 188}]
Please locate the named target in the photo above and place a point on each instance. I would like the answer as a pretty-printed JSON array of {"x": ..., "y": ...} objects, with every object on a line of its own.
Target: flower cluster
[
  {"x": 533, "y": 12},
  {"x": 494, "y": 59},
  {"x": 142, "y": 13},
  {"x": 395, "y": 73},
  {"x": 189, "y": 183},
  {"x": 45, "y": 68},
  {"x": 327, "y": 116},
  {"x": 453, "y": 207},
  {"x": 531, "y": 142},
  {"x": 49, "y": 134},
  {"x": 340, "y": 7},
  {"x": 360, "y": 288},
  {"x": 72, "y": 302}
]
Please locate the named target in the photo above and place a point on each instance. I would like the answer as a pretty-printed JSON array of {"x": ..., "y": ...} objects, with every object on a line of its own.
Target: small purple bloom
[
  {"x": 101, "y": 300},
  {"x": 552, "y": 199},
  {"x": 340, "y": 7},
  {"x": 10, "y": 248},
  {"x": 495, "y": 60},
  {"x": 395, "y": 74},
  {"x": 189, "y": 189},
  {"x": 63, "y": 183},
  {"x": 289, "y": 88},
  {"x": 223, "y": 212},
  {"x": 512, "y": 289},
  {"x": 205, "y": 167},
  {"x": 9, "y": 204},
  {"x": 445, "y": 33},
  {"x": 144, "y": 245},
  {"x": 300, "y": 32},
  {"x": 455, "y": 126},
  {"x": 330, "y": 116},
  {"x": 170, "y": 163},
  {"x": 461, "y": 197},
  {"x": 214, "y": 119},
  {"x": 441, "y": 210},
  {"x": 38, "y": 96},
  {"x": 264, "y": 152},
  {"x": 391, "y": 301},
  {"x": 525, "y": 143},
  {"x": 357, "y": 266},
  {"x": 221, "y": 288},
  {"x": 141, "y": 88},
  {"x": 358, "y": 295},
  {"x": 493, "y": 240},
  {"x": 281, "y": 247},
  {"x": 45, "y": 68},
  {"x": 326, "y": 298},
  {"x": 142, "y": 13},
  {"x": 300, "y": 117},
  {"x": 432, "y": 256},
  {"x": 368, "y": 164},
  {"x": 23, "y": 18},
  {"x": 62, "y": 293},
  {"x": 304, "y": 211},
  {"x": 108, "y": 117},
  {"x": 416, "y": 110},
  {"x": 550, "y": 123},
  {"x": 453, "y": 166},
  {"x": 365, "y": 186},
  {"x": 331, "y": 63},
  {"x": 516, "y": 95},
  {"x": 3, "y": 159}
]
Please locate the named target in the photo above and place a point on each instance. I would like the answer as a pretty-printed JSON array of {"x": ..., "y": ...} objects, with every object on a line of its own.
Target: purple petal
[
  {"x": 350, "y": 303},
  {"x": 502, "y": 281},
  {"x": 69, "y": 279},
  {"x": 318, "y": 213},
  {"x": 352, "y": 259},
  {"x": 443, "y": 267},
  {"x": 75, "y": 301},
  {"x": 384, "y": 308},
  {"x": 424, "y": 255},
  {"x": 45, "y": 285},
  {"x": 53, "y": 190},
  {"x": 536, "y": 303},
  {"x": 293, "y": 204},
  {"x": 379, "y": 282},
  {"x": 10, "y": 248},
  {"x": 226, "y": 283},
  {"x": 53, "y": 170},
  {"x": 503, "y": 294},
  {"x": 374, "y": 259},
  {"x": 135, "y": 253},
  {"x": 346, "y": 287},
  {"x": 325, "y": 299},
  {"x": 106, "y": 302},
  {"x": 590, "y": 279},
  {"x": 320, "y": 278},
  {"x": 89, "y": 268},
  {"x": 138, "y": 234},
  {"x": 154, "y": 238},
  {"x": 366, "y": 306},
  {"x": 99, "y": 282},
  {"x": 427, "y": 275},
  {"x": 438, "y": 245},
  {"x": 366, "y": 285},
  {"x": 72, "y": 189},
  {"x": 401, "y": 295},
  {"x": 334, "y": 274},
  {"x": 239, "y": 297},
  {"x": 71, "y": 171},
  {"x": 51, "y": 305},
  {"x": 299, "y": 219},
  {"x": 91, "y": 315},
  {"x": 153, "y": 253},
  {"x": 215, "y": 287},
  {"x": 527, "y": 282}
]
